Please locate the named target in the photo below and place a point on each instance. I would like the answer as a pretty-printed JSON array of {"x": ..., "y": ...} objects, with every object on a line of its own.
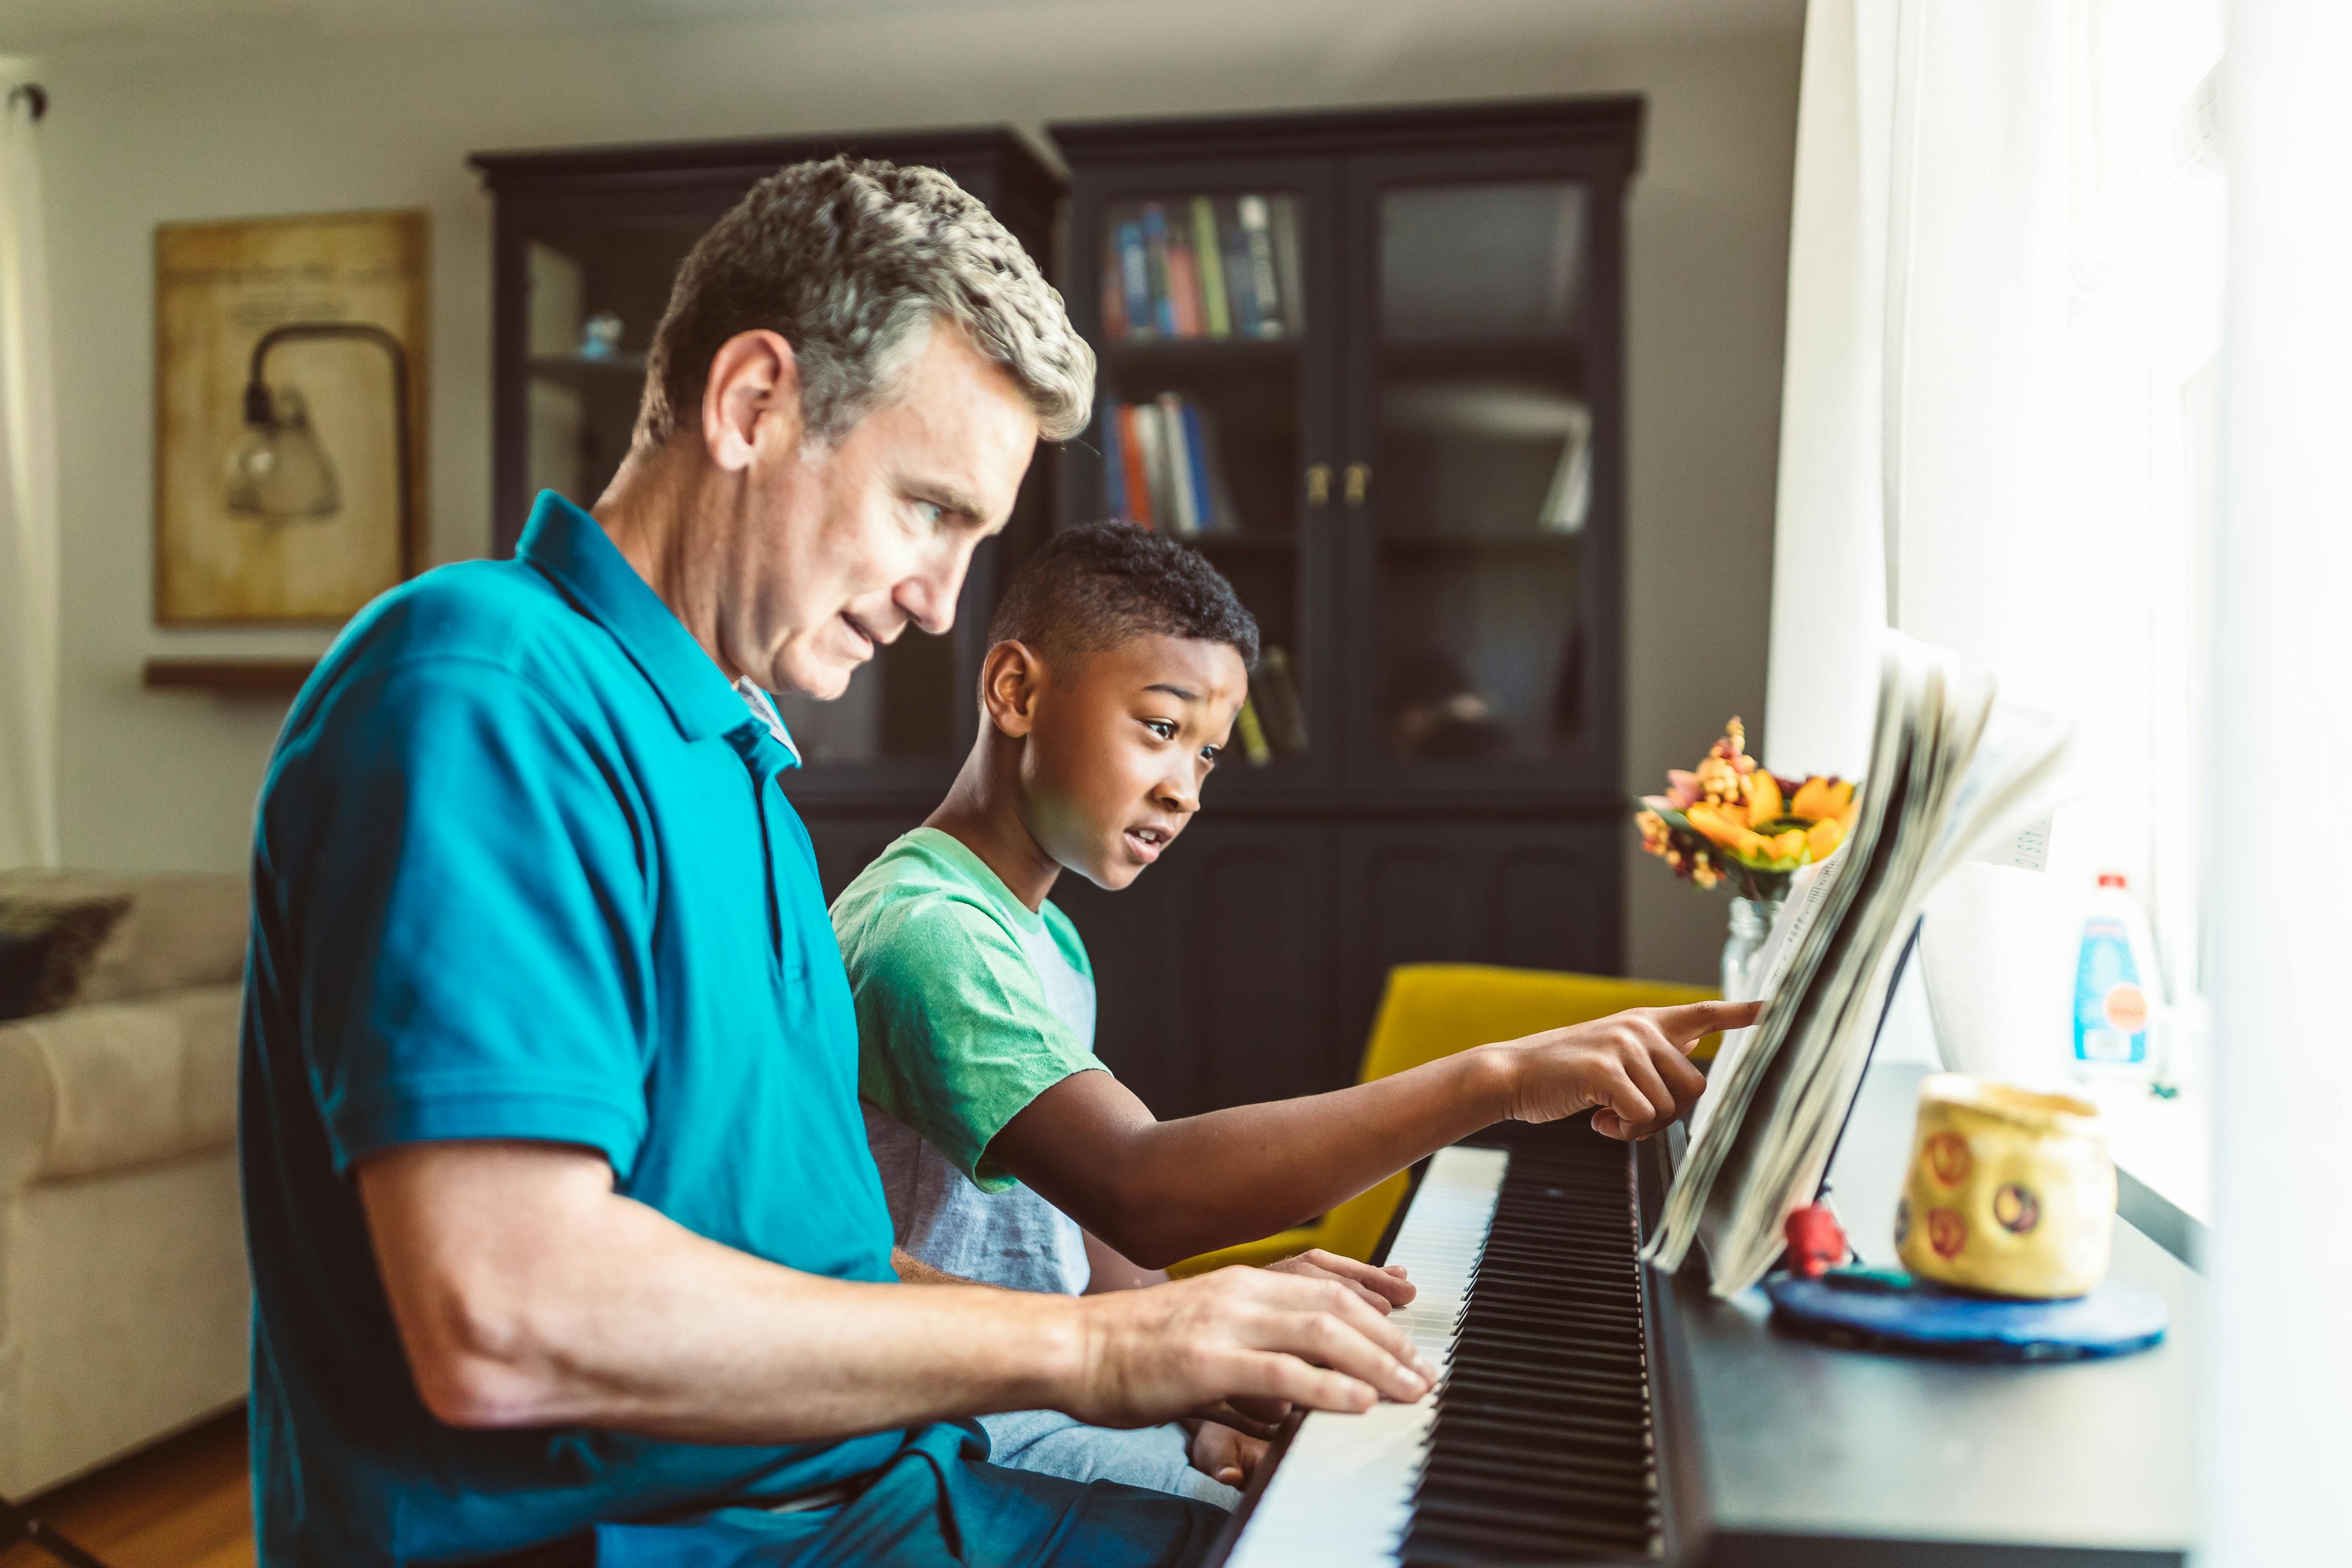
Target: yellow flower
[
  {"x": 1763, "y": 798},
  {"x": 1824, "y": 836},
  {"x": 1730, "y": 831},
  {"x": 1819, "y": 797}
]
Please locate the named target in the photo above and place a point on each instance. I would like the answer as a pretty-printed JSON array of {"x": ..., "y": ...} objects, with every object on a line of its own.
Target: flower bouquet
[{"x": 1734, "y": 820}]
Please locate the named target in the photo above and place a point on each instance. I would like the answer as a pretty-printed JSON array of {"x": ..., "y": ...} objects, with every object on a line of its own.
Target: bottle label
[{"x": 2110, "y": 1008}]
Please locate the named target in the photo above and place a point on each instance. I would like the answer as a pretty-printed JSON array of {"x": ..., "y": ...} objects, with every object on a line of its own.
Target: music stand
[{"x": 17, "y": 1525}]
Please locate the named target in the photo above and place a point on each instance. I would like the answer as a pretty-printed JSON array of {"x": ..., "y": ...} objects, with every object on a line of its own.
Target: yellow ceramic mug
[{"x": 2011, "y": 1192}]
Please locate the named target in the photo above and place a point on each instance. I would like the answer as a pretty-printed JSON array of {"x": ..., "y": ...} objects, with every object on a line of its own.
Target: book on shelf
[
  {"x": 1951, "y": 772},
  {"x": 1114, "y": 455},
  {"x": 1155, "y": 251},
  {"x": 1175, "y": 433},
  {"x": 1251, "y": 733},
  {"x": 1216, "y": 308},
  {"x": 1204, "y": 266},
  {"x": 1275, "y": 693},
  {"x": 1114, "y": 293},
  {"x": 1171, "y": 474},
  {"x": 1257, "y": 235},
  {"x": 1239, "y": 292},
  {"x": 1135, "y": 281},
  {"x": 1183, "y": 284},
  {"x": 1285, "y": 230}
]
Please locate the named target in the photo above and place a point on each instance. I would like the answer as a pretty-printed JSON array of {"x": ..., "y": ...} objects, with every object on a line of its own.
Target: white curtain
[
  {"x": 2004, "y": 308},
  {"x": 2277, "y": 1441},
  {"x": 28, "y": 505}
]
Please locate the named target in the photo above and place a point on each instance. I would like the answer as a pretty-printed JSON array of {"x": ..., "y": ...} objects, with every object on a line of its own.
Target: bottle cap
[{"x": 2112, "y": 879}]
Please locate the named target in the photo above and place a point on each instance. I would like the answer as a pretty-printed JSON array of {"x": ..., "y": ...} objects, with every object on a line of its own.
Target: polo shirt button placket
[{"x": 767, "y": 758}]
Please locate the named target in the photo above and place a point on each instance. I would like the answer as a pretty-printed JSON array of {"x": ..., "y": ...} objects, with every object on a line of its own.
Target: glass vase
[{"x": 1750, "y": 919}]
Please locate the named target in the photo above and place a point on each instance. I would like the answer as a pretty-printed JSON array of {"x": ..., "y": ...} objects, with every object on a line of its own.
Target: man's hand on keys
[
  {"x": 1254, "y": 1337},
  {"x": 1631, "y": 1070}
]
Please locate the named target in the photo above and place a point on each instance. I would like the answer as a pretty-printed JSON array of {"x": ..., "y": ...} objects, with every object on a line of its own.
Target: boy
[{"x": 1120, "y": 662}]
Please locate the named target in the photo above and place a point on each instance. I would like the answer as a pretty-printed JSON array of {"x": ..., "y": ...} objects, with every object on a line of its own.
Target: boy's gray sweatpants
[{"x": 1052, "y": 1444}]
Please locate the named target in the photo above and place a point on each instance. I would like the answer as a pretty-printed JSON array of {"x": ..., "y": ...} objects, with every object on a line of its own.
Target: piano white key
[{"x": 1343, "y": 1494}]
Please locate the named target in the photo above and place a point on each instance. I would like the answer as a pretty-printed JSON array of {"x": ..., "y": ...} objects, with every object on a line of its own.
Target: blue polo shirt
[{"x": 521, "y": 870}]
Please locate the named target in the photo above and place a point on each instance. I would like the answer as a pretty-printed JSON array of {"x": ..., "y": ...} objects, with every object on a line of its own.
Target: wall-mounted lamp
[{"x": 281, "y": 472}]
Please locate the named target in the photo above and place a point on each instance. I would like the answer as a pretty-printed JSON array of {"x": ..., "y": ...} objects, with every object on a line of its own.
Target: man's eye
[
  {"x": 1160, "y": 728},
  {"x": 929, "y": 512}
]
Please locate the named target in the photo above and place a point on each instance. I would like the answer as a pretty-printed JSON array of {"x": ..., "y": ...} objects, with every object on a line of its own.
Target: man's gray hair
[{"x": 854, "y": 261}]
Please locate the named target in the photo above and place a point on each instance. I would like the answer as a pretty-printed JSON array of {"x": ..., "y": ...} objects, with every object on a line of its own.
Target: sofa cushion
[
  {"x": 184, "y": 928},
  {"x": 113, "y": 1084}
]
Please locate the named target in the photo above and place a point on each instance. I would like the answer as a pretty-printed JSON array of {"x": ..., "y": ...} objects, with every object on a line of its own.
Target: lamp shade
[{"x": 279, "y": 472}]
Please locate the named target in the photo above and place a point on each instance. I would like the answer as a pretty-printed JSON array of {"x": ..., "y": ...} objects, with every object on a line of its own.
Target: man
[{"x": 564, "y": 1235}]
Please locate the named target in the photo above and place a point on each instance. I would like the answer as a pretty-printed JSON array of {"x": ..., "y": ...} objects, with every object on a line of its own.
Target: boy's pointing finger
[{"x": 1693, "y": 1021}]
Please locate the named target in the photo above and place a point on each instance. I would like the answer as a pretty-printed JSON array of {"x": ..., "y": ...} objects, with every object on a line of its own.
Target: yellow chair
[{"x": 1432, "y": 1010}]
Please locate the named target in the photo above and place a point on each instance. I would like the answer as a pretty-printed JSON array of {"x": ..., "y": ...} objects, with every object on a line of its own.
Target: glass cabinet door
[
  {"x": 1471, "y": 495},
  {"x": 594, "y": 288},
  {"x": 1203, "y": 314}
]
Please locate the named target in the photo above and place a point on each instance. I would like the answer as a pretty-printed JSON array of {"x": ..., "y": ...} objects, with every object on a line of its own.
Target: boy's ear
[{"x": 1010, "y": 679}]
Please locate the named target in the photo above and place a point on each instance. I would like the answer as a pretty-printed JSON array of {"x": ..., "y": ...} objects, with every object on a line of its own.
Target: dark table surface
[{"x": 1801, "y": 1453}]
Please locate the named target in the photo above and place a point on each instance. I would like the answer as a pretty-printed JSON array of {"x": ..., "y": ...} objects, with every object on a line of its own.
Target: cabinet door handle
[
  {"x": 1318, "y": 484},
  {"x": 1359, "y": 480}
]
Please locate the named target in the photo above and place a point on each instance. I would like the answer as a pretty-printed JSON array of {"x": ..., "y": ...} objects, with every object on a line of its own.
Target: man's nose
[{"x": 929, "y": 598}]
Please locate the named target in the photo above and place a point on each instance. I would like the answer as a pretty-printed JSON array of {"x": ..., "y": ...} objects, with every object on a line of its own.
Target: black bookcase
[
  {"x": 1412, "y": 467},
  {"x": 589, "y": 233},
  {"x": 1410, "y": 464}
]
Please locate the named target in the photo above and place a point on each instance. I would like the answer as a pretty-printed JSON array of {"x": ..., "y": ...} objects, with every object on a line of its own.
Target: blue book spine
[
  {"x": 1196, "y": 454},
  {"x": 1135, "y": 277},
  {"x": 1155, "y": 245},
  {"x": 1241, "y": 292},
  {"x": 1114, "y": 463}
]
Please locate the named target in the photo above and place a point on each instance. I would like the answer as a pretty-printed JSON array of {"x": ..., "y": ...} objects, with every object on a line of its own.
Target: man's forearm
[
  {"x": 1177, "y": 1188},
  {"x": 638, "y": 1324},
  {"x": 529, "y": 1293}
]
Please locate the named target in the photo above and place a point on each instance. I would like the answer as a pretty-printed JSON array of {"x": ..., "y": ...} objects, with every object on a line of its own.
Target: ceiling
[{"x": 29, "y": 27}]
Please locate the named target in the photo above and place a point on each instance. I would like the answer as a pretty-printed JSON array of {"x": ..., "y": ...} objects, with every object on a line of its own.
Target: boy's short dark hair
[{"x": 1095, "y": 585}]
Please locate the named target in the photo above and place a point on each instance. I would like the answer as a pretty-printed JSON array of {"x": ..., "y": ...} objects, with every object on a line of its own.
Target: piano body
[{"x": 1594, "y": 1410}]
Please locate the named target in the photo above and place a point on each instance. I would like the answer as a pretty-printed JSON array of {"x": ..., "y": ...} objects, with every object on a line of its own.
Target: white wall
[{"x": 187, "y": 126}]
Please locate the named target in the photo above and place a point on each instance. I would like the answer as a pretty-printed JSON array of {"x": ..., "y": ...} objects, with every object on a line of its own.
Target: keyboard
[{"x": 1537, "y": 1445}]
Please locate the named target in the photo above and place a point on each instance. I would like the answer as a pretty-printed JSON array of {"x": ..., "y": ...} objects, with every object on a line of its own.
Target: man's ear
[
  {"x": 1010, "y": 679},
  {"x": 753, "y": 391}
]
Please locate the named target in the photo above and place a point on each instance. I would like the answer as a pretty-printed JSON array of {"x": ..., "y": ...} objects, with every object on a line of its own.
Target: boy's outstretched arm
[{"x": 1162, "y": 1191}]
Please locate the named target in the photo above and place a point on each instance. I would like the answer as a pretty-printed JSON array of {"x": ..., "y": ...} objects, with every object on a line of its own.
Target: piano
[{"x": 1591, "y": 1410}]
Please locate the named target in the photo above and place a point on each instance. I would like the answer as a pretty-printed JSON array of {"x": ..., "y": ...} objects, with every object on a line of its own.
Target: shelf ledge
[{"x": 282, "y": 677}]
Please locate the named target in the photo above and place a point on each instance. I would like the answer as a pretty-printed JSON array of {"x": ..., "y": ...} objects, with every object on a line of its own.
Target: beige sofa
[{"x": 123, "y": 1301}]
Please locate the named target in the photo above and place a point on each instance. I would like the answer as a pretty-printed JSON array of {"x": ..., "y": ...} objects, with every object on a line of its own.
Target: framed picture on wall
[{"x": 289, "y": 416}]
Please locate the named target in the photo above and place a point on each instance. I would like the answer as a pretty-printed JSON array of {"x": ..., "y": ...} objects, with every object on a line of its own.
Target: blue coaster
[{"x": 1872, "y": 1309}]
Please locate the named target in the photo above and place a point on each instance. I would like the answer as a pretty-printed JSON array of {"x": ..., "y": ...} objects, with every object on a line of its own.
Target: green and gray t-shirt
[{"x": 969, "y": 1006}]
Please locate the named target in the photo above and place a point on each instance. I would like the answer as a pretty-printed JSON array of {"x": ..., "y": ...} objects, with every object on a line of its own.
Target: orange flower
[{"x": 1821, "y": 797}]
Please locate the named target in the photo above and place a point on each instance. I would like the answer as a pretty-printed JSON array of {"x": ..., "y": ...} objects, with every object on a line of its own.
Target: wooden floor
[{"x": 181, "y": 1504}]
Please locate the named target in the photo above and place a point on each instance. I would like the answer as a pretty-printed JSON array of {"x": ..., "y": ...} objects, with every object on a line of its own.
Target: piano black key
[{"x": 1541, "y": 1448}]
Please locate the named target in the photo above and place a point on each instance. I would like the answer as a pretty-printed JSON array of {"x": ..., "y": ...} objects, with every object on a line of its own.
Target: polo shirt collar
[{"x": 565, "y": 543}]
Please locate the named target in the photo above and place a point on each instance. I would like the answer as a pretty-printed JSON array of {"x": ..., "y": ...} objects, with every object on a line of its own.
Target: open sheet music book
[{"x": 1948, "y": 772}]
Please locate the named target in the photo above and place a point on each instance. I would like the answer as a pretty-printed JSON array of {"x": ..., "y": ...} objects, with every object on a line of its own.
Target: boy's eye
[
  {"x": 1209, "y": 755},
  {"x": 1160, "y": 728}
]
